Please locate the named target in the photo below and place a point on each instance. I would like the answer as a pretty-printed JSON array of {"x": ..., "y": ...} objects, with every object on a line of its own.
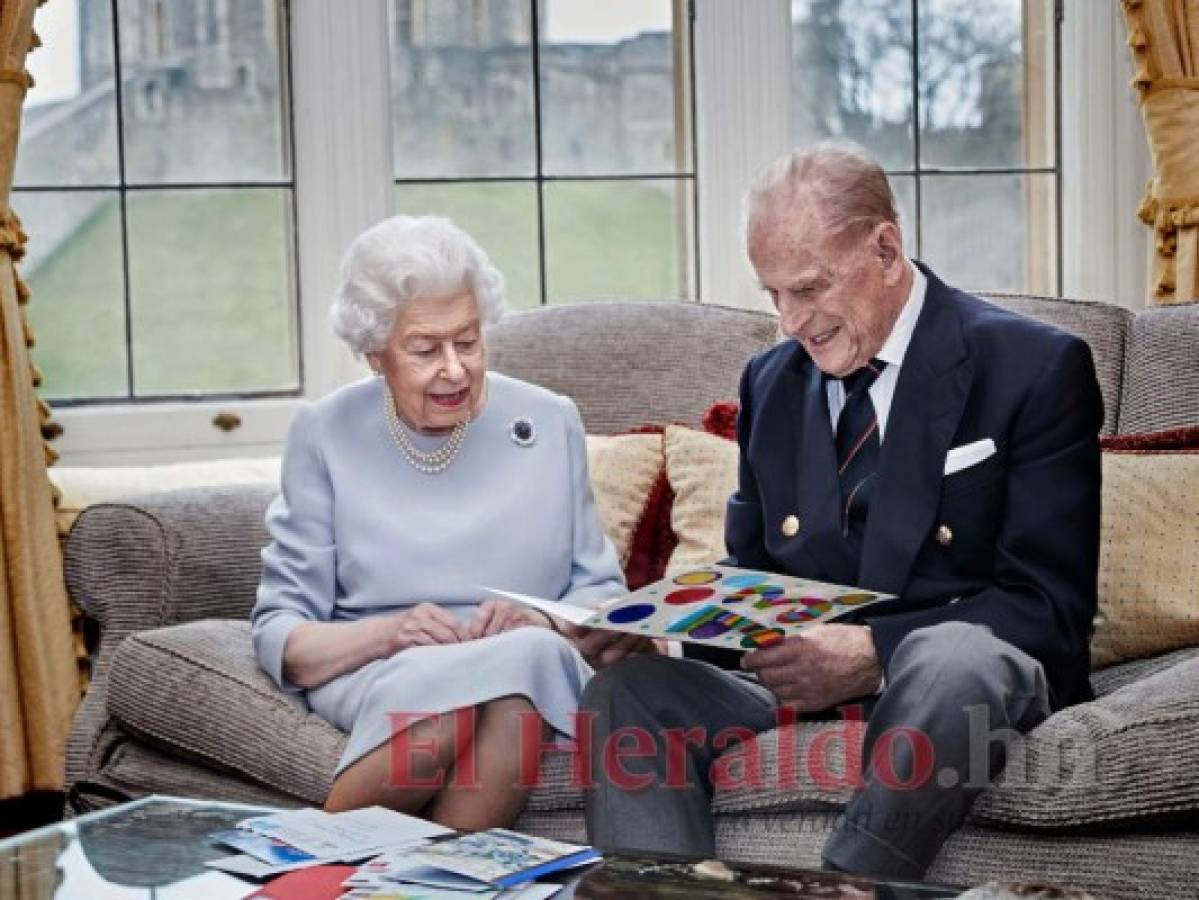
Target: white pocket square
[{"x": 968, "y": 455}]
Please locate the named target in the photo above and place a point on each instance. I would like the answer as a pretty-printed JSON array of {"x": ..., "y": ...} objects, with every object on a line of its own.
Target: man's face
[{"x": 839, "y": 299}]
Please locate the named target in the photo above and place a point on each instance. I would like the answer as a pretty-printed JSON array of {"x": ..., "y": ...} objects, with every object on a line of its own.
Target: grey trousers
[{"x": 955, "y": 696}]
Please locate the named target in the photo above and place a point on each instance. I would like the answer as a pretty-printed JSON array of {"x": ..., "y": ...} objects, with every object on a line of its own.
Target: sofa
[{"x": 1102, "y": 796}]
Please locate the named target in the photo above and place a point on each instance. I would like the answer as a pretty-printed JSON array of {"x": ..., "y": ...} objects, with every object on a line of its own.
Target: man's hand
[
  {"x": 819, "y": 668},
  {"x": 496, "y": 616},
  {"x": 602, "y": 648}
]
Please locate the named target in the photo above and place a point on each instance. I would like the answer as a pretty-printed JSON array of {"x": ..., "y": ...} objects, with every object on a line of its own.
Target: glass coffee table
[
  {"x": 153, "y": 847},
  {"x": 156, "y": 847}
]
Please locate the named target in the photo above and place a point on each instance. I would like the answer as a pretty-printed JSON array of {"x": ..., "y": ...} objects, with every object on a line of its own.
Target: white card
[{"x": 568, "y": 611}]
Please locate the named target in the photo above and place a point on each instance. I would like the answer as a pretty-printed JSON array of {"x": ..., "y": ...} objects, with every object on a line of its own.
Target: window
[
  {"x": 154, "y": 175},
  {"x": 181, "y": 250},
  {"x": 957, "y": 99},
  {"x": 558, "y": 133}
]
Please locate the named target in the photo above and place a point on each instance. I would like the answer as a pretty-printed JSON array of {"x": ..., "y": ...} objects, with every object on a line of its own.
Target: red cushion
[
  {"x": 720, "y": 419},
  {"x": 1172, "y": 440},
  {"x": 653, "y": 539}
]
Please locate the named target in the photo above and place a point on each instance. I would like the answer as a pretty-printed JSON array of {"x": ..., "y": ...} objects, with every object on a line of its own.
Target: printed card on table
[
  {"x": 502, "y": 858},
  {"x": 721, "y": 606}
]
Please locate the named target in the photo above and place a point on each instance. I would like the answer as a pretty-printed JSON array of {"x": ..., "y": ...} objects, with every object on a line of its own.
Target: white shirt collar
[{"x": 896, "y": 346}]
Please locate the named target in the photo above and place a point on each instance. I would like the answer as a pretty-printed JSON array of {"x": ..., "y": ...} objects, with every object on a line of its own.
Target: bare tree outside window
[{"x": 956, "y": 99}]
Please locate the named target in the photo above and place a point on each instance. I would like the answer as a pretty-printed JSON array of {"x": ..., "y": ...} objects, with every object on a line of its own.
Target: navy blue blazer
[{"x": 1023, "y": 557}]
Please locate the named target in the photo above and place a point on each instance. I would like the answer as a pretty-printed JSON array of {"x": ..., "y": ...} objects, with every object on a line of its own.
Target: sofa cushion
[
  {"x": 1149, "y": 865},
  {"x": 196, "y": 690},
  {"x": 1084, "y": 767},
  {"x": 1161, "y": 381},
  {"x": 1148, "y": 574},
  {"x": 1111, "y": 678},
  {"x": 624, "y": 469},
  {"x": 702, "y": 469},
  {"x": 1127, "y": 756},
  {"x": 625, "y": 362},
  {"x": 134, "y": 769}
]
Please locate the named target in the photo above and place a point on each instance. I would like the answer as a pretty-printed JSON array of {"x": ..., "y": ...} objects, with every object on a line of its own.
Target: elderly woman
[{"x": 402, "y": 495}]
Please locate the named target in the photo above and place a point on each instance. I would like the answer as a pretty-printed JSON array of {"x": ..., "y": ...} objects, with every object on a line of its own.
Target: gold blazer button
[
  {"x": 790, "y": 526},
  {"x": 944, "y": 535}
]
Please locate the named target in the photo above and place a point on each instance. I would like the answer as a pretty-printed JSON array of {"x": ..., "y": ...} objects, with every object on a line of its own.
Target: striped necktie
[{"x": 857, "y": 451}]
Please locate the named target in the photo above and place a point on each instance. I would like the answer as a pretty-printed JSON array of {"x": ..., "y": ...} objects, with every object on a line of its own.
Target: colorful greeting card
[{"x": 739, "y": 609}]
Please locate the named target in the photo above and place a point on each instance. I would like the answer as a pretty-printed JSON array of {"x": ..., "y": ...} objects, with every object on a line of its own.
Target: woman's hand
[
  {"x": 496, "y": 616},
  {"x": 425, "y": 625}
]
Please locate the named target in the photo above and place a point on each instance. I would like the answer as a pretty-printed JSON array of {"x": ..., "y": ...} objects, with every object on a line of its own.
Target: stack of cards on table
[
  {"x": 300, "y": 838},
  {"x": 399, "y": 858},
  {"x": 494, "y": 863}
]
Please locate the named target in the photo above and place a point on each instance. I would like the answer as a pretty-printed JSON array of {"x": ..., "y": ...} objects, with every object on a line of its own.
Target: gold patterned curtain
[
  {"x": 38, "y": 681},
  {"x": 1164, "y": 37}
]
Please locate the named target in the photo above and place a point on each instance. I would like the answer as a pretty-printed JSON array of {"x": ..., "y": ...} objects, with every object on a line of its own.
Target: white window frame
[
  {"x": 742, "y": 54},
  {"x": 342, "y": 120}
]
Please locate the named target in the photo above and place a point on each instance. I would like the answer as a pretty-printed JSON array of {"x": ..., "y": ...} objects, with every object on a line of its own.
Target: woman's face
[{"x": 434, "y": 362}]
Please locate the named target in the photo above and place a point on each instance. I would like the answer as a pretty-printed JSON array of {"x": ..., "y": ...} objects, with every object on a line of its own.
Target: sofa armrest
[
  {"x": 157, "y": 560},
  {"x": 168, "y": 558}
]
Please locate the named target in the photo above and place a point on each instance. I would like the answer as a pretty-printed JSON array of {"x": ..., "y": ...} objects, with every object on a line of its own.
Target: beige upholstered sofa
[{"x": 1107, "y": 796}]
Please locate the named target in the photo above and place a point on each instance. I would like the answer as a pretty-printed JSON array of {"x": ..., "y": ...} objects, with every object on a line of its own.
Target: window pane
[
  {"x": 851, "y": 75},
  {"x": 73, "y": 266},
  {"x": 610, "y": 90},
  {"x": 618, "y": 240},
  {"x": 986, "y": 83},
  {"x": 991, "y": 232},
  {"x": 904, "y": 188},
  {"x": 202, "y": 88},
  {"x": 501, "y": 217},
  {"x": 210, "y": 291},
  {"x": 462, "y": 88},
  {"x": 69, "y": 121}
]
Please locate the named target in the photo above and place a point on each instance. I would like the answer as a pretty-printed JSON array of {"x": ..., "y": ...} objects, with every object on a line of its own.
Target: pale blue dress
[{"x": 357, "y": 531}]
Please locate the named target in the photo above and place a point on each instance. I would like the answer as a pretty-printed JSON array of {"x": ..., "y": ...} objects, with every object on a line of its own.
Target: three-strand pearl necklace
[{"x": 432, "y": 462}]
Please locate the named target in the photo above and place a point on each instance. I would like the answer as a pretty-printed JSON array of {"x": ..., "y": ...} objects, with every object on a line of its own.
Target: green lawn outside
[{"x": 209, "y": 275}]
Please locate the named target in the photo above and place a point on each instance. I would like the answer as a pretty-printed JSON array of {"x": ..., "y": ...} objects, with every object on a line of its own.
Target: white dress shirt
[{"x": 892, "y": 353}]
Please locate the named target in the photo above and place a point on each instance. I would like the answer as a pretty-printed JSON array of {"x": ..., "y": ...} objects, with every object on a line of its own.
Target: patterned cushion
[
  {"x": 1149, "y": 556},
  {"x": 702, "y": 470},
  {"x": 624, "y": 469}
]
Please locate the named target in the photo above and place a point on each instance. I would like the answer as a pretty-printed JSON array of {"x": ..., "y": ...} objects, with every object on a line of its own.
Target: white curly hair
[{"x": 408, "y": 258}]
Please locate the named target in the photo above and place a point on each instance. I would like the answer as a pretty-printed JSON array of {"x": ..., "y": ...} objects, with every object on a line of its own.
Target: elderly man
[{"x": 911, "y": 439}]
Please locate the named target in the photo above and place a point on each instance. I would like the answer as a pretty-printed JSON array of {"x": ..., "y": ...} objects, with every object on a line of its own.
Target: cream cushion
[
  {"x": 1148, "y": 557},
  {"x": 84, "y": 486},
  {"x": 623, "y": 470},
  {"x": 702, "y": 470}
]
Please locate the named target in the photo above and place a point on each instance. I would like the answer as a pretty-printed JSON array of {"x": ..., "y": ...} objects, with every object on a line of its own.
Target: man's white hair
[
  {"x": 850, "y": 189},
  {"x": 407, "y": 258}
]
